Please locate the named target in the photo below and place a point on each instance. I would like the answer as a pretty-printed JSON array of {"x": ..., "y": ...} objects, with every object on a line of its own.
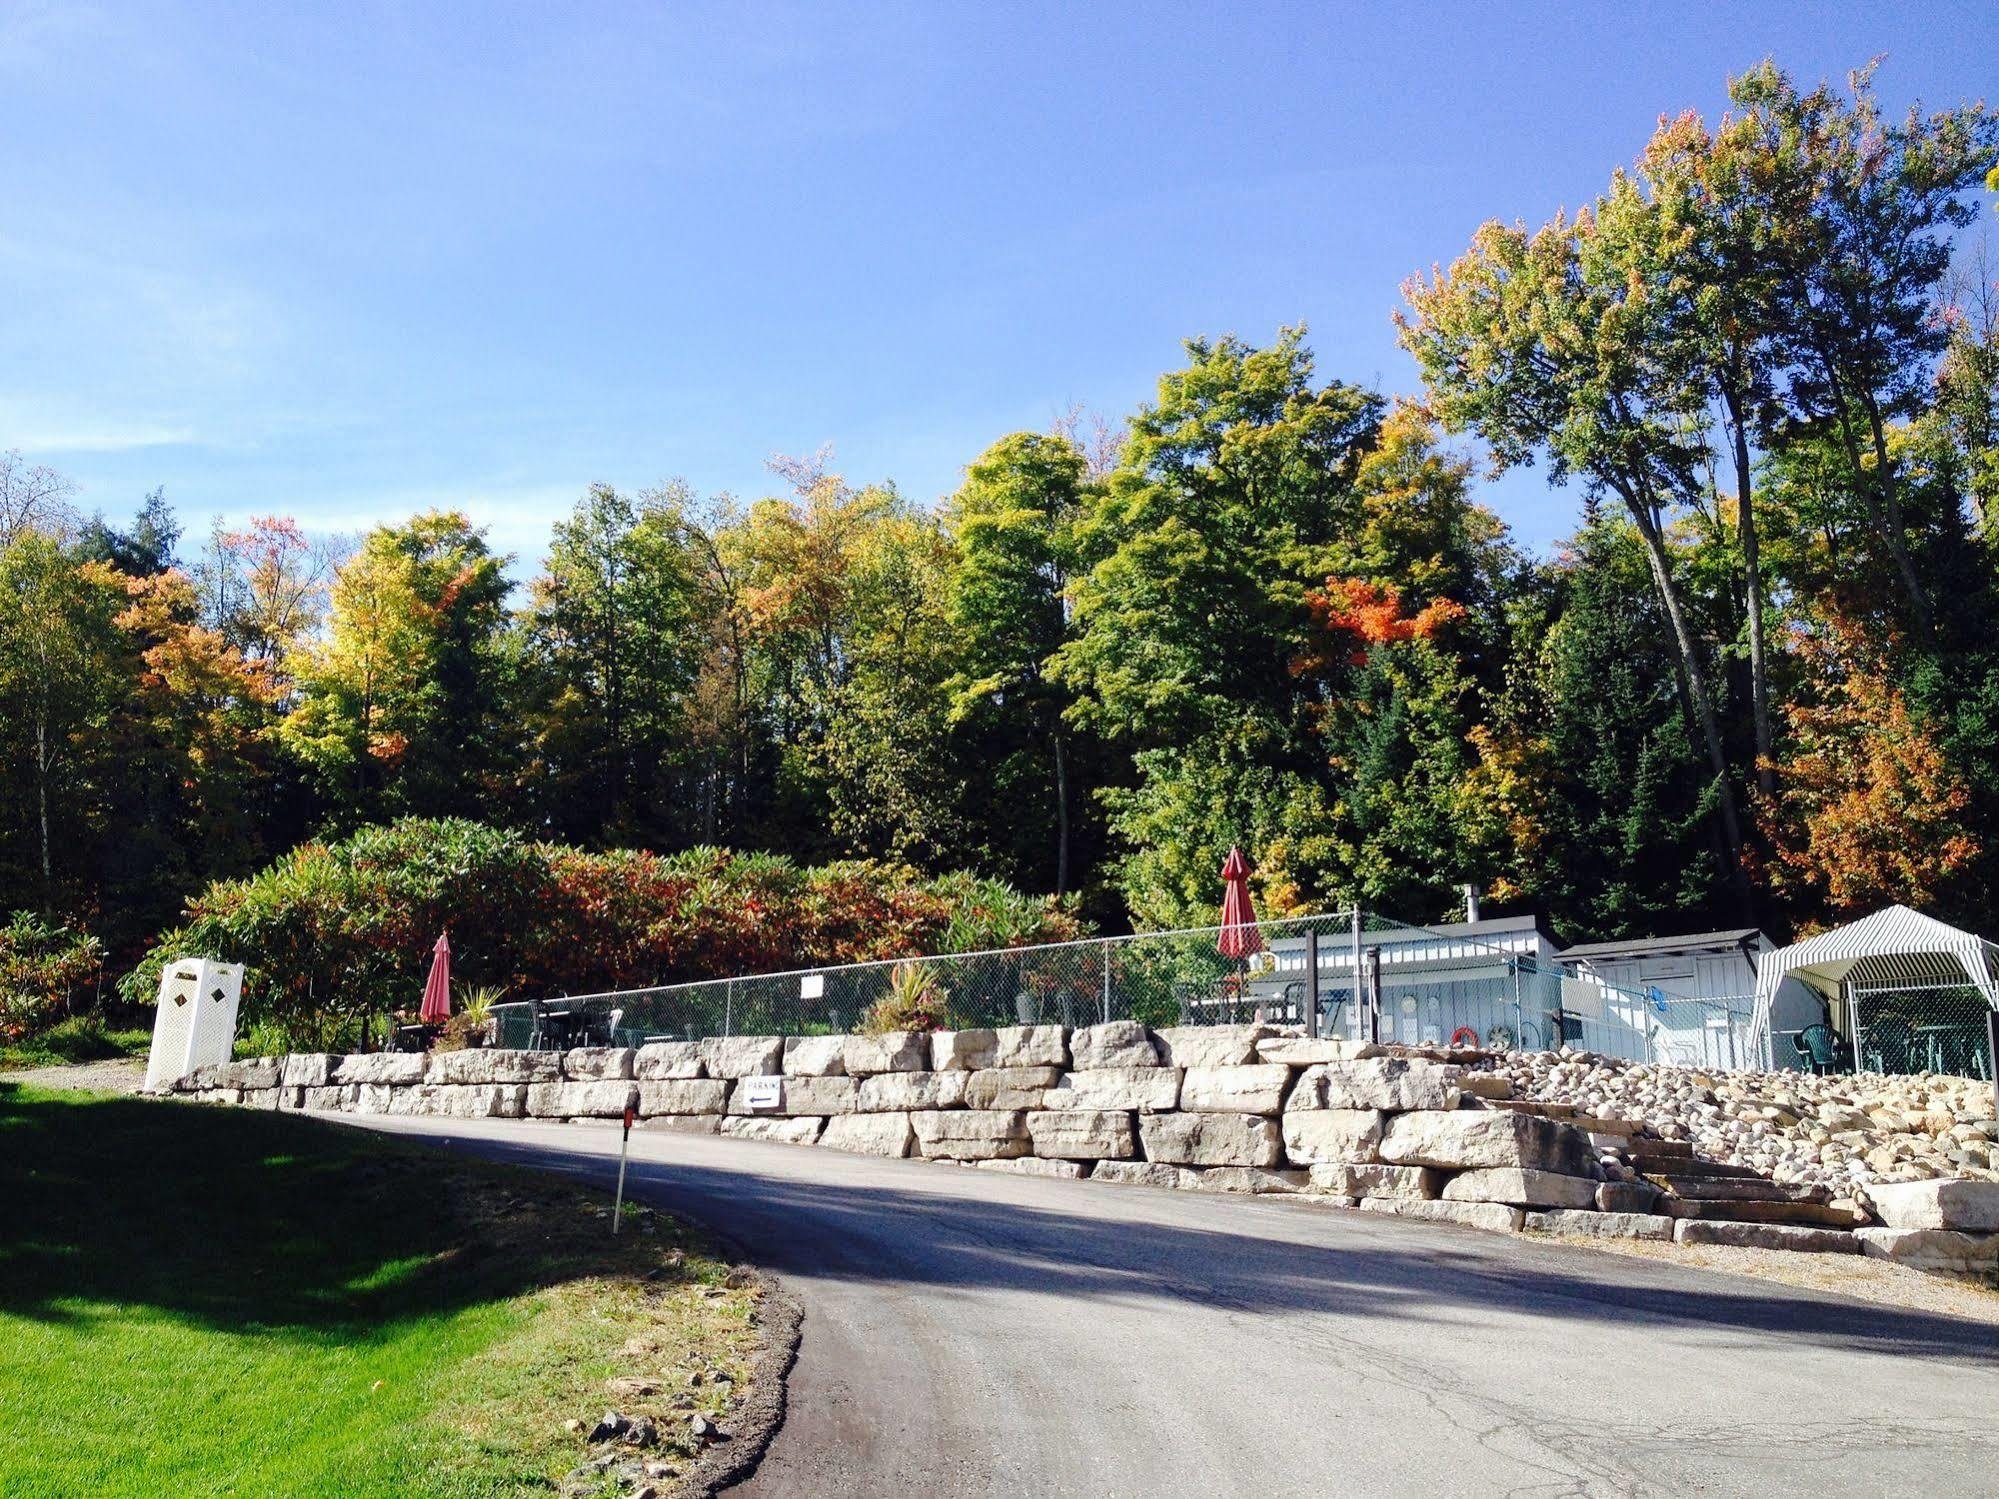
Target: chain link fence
[
  {"x": 1717, "y": 1032},
  {"x": 1158, "y": 978},
  {"x": 1373, "y": 977},
  {"x": 1933, "y": 1027}
]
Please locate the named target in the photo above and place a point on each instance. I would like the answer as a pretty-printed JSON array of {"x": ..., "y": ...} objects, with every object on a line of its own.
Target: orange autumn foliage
[
  {"x": 1353, "y": 615},
  {"x": 186, "y": 663},
  {"x": 1868, "y": 806}
]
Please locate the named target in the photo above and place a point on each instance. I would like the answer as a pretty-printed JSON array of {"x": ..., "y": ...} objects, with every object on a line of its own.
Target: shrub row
[{"x": 333, "y": 931}]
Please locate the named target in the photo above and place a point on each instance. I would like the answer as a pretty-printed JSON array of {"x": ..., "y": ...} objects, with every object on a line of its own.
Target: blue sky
[{"x": 349, "y": 261}]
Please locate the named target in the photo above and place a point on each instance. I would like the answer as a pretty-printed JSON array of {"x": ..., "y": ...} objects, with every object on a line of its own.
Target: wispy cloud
[
  {"x": 123, "y": 314},
  {"x": 94, "y": 439},
  {"x": 50, "y": 425},
  {"x": 516, "y": 516}
]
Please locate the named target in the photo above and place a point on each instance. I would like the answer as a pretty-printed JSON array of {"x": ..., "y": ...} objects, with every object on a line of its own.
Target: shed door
[{"x": 1723, "y": 977}]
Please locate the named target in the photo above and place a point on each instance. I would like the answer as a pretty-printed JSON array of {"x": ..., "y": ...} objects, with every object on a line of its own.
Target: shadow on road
[{"x": 1330, "y": 1264}]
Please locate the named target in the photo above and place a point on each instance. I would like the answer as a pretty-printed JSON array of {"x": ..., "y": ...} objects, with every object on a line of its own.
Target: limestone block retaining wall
[{"x": 1221, "y": 1108}]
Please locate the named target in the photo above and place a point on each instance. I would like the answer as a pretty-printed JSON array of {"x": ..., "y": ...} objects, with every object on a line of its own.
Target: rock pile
[{"x": 1844, "y": 1133}]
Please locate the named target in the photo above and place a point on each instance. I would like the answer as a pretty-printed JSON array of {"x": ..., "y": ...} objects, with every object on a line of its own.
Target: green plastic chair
[{"x": 1819, "y": 1049}]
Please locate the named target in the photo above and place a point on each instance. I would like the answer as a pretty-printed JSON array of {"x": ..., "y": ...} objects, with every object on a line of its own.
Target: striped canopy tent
[{"x": 1893, "y": 949}]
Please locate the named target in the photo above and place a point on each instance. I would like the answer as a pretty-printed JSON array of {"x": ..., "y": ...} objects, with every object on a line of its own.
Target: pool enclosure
[{"x": 1899, "y": 992}]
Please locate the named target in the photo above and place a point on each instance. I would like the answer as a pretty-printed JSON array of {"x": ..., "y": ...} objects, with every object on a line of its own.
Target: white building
[
  {"x": 1699, "y": 994},
  {"x": 1492, "y": 979}
]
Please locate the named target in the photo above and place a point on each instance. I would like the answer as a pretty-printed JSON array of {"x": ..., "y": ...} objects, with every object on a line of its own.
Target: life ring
[{"x": 1464, "y": 1035}]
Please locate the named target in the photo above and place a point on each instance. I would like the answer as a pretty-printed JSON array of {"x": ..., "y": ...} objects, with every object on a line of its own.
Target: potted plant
[
  {"x": 474, "y": 1022},
  {"x": 915, "y": 1001}
]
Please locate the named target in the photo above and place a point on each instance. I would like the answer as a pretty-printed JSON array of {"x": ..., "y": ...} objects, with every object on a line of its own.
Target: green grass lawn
[
  {"x": 82, "y": 1039},
  {"x": 199, "y": 1300}
]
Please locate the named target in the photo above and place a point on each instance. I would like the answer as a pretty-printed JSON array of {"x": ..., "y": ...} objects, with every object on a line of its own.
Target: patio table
[
  {"x": 1234, "y": 999},
  {"x": 407, "y": 1038},
  {"x": 562, "y": 1029}
]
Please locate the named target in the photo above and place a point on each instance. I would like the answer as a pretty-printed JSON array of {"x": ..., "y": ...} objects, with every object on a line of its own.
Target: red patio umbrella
[
  {"x": 437, "y": 988},
  {"x": 1239, "y": 935}
]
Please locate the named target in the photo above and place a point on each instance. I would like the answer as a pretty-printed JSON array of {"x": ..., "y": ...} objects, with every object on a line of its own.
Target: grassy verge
[
  {"x": 83, "y": 1039},
  {"x": 213, "y": 1301}
]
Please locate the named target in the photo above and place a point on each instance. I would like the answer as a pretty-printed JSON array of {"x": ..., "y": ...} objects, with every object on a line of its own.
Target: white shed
[{"x": 1696, "y": 992}]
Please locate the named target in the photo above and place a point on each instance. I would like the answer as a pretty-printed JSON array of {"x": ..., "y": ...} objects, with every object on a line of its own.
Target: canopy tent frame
[{"x": 1895, "y": 950}]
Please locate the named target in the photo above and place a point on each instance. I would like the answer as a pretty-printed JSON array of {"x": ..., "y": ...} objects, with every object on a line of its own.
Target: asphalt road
[{"x": 968, "y": 1332}]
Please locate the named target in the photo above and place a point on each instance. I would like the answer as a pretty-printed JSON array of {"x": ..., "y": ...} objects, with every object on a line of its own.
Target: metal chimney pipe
[{"x": 1471, "y": 902}]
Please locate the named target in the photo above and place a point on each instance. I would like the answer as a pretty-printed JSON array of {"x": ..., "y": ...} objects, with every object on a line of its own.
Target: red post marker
[{"x": 624, "y": 1149}]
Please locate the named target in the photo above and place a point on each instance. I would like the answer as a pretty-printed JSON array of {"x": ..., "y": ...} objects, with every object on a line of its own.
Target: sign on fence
[{"x": 195, "y": 1025}]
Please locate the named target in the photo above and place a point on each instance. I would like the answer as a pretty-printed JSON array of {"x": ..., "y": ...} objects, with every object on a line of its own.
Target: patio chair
[
  {"x": 1820, "y": 1049},
  {"x": 1292, "y": 998},
  {"x": 408, "y": 1038}
]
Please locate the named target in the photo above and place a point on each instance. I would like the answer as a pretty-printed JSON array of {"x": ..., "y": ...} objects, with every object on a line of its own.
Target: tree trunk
[
  {"x": 1697, "y": 690},
  {"x": 1891, "y": 500},
  {"x": 1759, "y": 661},
  {"x": 42, "y": 800},
  {"x": 1883, "y": 506},
  {"x": 1061, "y": 817}
]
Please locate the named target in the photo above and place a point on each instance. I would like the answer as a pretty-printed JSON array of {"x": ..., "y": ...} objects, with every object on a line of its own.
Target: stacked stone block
[{"x": 1220, "y": 1108}]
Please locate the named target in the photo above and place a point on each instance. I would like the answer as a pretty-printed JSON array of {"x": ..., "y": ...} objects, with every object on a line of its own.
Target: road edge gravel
[{"x": 780, "y": 1320}]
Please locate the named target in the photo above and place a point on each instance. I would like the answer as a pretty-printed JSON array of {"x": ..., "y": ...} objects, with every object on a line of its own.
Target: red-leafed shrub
[
  {"x": 333, "y": 931},
  {"x": 44, "y": 966}
]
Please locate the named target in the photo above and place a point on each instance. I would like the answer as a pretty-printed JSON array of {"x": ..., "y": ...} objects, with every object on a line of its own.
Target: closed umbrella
[
  {"x": 1239, "y": 935},
  {"x": 437, "y": 989}
]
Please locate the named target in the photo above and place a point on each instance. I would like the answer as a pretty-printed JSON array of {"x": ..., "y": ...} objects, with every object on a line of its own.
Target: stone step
[
  {"x": 1534, "y": 1106},
  {"x": 1598, "y": 1125},
  {"x": 1811, "y": 1214},
  {"x": 1726, "y": 1188},
  {"x": 1797, "y": 1236},
  {"x": 1693, "y": 1166},
  {"x": 1645, "y": 1149}
]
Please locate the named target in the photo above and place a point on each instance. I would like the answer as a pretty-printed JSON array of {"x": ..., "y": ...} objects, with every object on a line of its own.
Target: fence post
[
  {"x": 1312, "y": 982},
  {"x": 1374, "y": 992},
  {"x": 1106, "y": 948},
  {"x": 728, "y": 1007},
  {"x": 1992, "y": 1042},
  {"x": 1360, "y": 1002},
  {"x": 1859, "y": 1031}
]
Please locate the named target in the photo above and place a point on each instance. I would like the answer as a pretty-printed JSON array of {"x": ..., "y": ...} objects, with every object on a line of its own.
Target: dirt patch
[
  {"x": 761, "y": 1410},
  {"x": 125, "y": 1075}
]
